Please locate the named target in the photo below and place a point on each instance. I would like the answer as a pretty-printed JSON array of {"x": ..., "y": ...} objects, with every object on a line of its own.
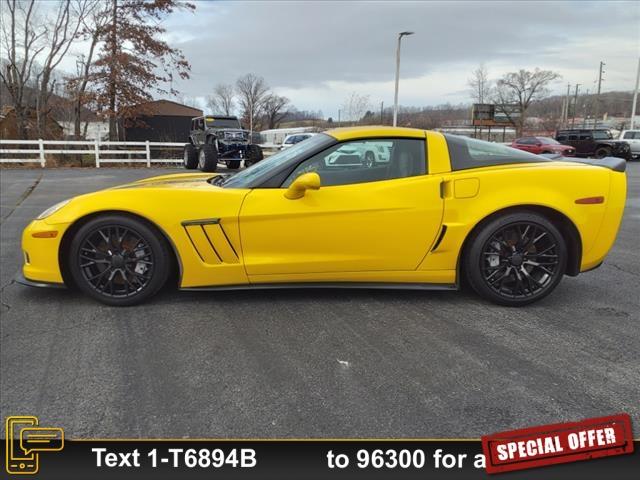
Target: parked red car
[{"x": 540, "y": 145}]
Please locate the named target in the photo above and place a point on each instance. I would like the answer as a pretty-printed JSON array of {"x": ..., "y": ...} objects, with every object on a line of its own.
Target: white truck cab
[{"x": 632, "y": 137}]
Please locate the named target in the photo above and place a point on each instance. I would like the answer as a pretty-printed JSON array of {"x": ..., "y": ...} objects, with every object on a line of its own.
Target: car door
[{"x": 361, "y": 219}]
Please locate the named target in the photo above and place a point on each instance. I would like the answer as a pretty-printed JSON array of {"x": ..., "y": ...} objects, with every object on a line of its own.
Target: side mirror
[{"x": 306, "y": 181}]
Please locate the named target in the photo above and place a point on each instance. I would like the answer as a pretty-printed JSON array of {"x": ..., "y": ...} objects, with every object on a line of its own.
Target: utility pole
[
  {"x": 586, "y": 110},
  {"x": 597, "y": 108},
  {"x": 565, "y": 113},
  {"x": 635, "y": 98},
  {"x": 381, "y": 113},
  {"x": 338, "y": 117},
  {"x": 575, "y": 106},
  {"x": 395, "y": 101}
]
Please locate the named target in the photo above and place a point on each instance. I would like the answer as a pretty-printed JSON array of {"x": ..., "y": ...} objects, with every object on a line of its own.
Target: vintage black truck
[{"x": 217, "y": 140}]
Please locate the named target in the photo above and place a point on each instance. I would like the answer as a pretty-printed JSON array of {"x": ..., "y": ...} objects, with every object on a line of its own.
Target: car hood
[{"x": 175, "y": 180}]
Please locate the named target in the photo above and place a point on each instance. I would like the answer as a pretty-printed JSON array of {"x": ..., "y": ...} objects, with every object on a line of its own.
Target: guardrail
[{"x": 98, "y": 149}]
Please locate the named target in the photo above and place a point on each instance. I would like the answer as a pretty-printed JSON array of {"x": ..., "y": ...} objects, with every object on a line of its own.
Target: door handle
[{"x": 445, "y": 188}]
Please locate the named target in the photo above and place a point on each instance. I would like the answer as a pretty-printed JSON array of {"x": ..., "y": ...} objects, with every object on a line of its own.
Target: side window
[
  {"x": 584, "y": 136},
  {"x": 631, "y": 135},
  {"x": 364, "y": 161},
  {"x": 466, "y": 152},
  {"x": 561, "y": 138},
  {"x": 573, "y": 137}
]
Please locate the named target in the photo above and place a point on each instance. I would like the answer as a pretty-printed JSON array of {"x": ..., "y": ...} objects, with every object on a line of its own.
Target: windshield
[
  {"x": 548, "y": 141},
  {"x": 213, "y": 122},
  {"x": 264, "y": 168}
]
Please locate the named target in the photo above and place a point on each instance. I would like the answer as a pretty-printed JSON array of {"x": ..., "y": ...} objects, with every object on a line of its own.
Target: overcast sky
[{"x": 316, "y": 53}]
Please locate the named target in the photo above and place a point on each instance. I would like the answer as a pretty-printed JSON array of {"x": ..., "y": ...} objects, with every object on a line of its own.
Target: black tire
[
  {"x": 602, "y": 152},
  {"x": 233, "y": 164},
  {"x": 119, "y": 260},
  {"x": 254, "y": 154},
  {"x": 208, "y": 158},
  {"x": 190, "y": 158},
  {"x": 515, "y": 259}
]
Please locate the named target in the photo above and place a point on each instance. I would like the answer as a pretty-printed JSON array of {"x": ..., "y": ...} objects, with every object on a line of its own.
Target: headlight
[{"x": 51, "y": 210}]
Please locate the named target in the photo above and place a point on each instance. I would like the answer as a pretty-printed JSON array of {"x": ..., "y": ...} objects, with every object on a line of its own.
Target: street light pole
[
  {"x": 635, "y": 98},
  {"x": 395, "y": 100}
]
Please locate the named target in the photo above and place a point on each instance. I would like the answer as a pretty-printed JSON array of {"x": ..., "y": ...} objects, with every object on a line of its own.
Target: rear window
[{"x": 471, "y": 153}]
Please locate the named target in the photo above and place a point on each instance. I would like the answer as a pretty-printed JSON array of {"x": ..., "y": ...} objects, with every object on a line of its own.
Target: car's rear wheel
[
  {"x": 602, "y": 152},
  {"x": 119, "y": 260},
  {"x": 516, "y": 259},
  {"x": 190, "y": 159},
  {"x": 208, "y": 158},
  {"x": 233, "y": 164}
]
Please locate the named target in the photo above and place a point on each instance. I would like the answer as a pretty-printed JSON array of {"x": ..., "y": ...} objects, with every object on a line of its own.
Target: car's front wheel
[
  {"x": 208, "y": 158},
  {"x": 233, "y": 164},
  {"x": 516, "y": 259},
  {"x": 118, "y": 260}
]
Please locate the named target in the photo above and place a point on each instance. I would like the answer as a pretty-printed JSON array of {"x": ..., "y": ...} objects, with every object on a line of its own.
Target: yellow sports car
[{"x": 439, "y": 210}]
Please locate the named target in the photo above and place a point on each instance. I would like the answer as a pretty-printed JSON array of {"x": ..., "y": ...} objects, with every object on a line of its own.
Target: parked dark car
[
  {"x": 594, "y": 143},
  {"x": 540, "y": 145}
]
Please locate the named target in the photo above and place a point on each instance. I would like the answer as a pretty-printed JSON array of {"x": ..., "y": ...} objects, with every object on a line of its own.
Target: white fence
[{"x": 103, "y": 152}]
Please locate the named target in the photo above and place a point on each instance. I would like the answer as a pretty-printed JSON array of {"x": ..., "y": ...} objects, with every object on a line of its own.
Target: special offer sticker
[{"x": 558, "y": 443}]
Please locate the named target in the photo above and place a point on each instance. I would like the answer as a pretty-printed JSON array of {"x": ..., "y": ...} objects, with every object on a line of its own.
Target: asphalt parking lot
[{"x": 309, "y": 363}]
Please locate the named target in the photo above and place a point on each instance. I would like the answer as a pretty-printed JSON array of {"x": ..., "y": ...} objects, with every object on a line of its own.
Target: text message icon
[{"x": 41, "y": 439}]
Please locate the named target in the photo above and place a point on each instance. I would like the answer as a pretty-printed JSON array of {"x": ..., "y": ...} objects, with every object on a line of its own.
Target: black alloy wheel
[
  {"x": 119, "y": 260},
  {"x": 516, "y": 260}
]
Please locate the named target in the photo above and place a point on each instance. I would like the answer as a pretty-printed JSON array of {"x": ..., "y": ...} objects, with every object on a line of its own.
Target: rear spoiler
[{"x": 612, "y": 163}]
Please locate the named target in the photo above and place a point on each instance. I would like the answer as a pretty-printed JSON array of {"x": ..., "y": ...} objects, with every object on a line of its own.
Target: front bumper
[
  {"x": 41, "y": 261},
  {"x": 22, "y": 280}
]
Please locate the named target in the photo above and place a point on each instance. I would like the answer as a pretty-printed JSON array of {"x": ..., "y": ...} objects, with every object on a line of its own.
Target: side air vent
[
  {"x": 443, "y": 231},
  {"x": 210, "y": 241}
]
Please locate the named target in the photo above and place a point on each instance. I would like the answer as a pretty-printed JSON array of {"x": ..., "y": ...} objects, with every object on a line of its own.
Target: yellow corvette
[{"x": 356, "y": 207}]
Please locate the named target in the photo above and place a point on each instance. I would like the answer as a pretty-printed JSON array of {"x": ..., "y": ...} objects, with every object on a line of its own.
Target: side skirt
[{"x": 361, "y": 285}]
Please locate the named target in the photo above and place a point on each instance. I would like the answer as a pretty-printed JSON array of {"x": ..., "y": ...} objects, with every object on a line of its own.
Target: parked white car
[
  {"x": 291, "y": 140},
  {"x": 632, "y": 137},
  {"x": 369, "y": 153}
]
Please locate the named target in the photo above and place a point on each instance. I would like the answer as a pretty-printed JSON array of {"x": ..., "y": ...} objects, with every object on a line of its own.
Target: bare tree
[
  {"x": 252, "y": 91},
  {"x": 518, "y": 90},
  {"x": 22, "y": 45},
  {"x": 355, "y": 106},
  {"x": 59, "y": 35},
  {"x": 77, "y": 86},
  {"x": 480, "y": 85},
  {"x": 275, "y": 109},
  {"x": 35, "y": 46},
  {"x": 223, "y": 99}
]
